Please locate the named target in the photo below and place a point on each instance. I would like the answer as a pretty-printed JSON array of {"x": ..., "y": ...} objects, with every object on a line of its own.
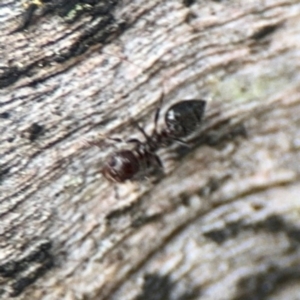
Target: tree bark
[{"x": 222, "y": 222}]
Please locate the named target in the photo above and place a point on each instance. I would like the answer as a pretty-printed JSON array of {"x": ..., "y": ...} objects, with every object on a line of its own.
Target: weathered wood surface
[{"x": 222, "y": 223}]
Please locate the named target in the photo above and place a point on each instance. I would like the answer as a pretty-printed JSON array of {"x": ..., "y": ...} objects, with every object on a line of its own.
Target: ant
[{"x": 181, "y": 119}]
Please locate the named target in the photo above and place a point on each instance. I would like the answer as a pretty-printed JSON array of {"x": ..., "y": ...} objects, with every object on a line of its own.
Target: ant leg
[
  {"x": 98, "y": 143},
  {"x": 135, "y": 141},
  {"x": 141, "y": 129},
  {"x": 158, "y": 161},
  {"x": 116, "y": 192},
  {"x": 27, "y": 18},
  {"x": 156, "y": 116},
  {"x": 158, "y": 169},
  {"x": 181, "y": 142},
  {"x": 118, "y": 140}
]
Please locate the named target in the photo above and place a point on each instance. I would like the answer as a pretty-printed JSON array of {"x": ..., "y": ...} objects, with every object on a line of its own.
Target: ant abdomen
[{"x": 184, "y": 117}]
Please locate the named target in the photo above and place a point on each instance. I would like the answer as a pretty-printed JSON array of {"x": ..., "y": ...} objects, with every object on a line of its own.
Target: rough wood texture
[{"x": 222, "y": 223}]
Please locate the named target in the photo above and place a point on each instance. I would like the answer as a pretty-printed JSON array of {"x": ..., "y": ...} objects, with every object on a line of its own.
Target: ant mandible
[{"x": 181, "y": 119}]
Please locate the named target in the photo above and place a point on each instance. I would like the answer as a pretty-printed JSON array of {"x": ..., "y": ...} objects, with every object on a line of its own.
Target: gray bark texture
[{"x": 223, "y": 220}]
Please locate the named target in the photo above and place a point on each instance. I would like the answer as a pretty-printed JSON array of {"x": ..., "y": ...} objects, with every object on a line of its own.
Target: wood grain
[{"x": 222, "y": 223}]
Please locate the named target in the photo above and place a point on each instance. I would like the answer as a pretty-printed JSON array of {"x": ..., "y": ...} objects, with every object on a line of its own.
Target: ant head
[{"x": 121, "y": 166}]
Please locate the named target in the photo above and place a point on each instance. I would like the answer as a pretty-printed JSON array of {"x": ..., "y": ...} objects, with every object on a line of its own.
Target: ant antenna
[{"x": 124, "y": 58}]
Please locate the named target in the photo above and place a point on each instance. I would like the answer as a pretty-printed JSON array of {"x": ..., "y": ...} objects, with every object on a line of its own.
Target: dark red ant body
[{"x": 181, "y": 119}]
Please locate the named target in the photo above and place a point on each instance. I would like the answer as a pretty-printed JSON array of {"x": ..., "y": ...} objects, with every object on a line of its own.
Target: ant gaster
[{"x": 181, "y": 119}]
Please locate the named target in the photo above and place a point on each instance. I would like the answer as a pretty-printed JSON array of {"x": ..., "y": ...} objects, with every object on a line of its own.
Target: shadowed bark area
[{"x": 222, "y": 222}]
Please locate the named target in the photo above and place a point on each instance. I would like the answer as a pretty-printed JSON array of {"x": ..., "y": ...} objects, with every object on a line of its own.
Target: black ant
[{"x": 181, "y": 119}]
